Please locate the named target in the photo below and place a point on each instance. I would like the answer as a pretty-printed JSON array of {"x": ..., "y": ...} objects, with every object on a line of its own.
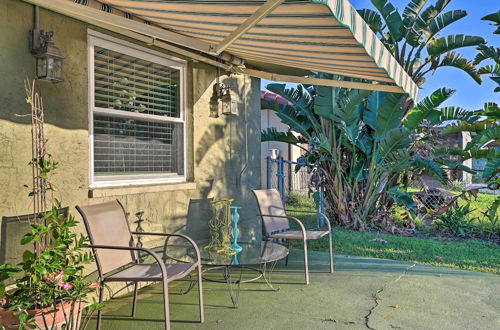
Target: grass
[{"x": 468, "y": 254}]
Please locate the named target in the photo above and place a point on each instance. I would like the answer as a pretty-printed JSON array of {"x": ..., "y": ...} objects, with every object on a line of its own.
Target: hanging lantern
[
  {"x": 49, "y": 60},
  {"x": 229, "y": 105}
]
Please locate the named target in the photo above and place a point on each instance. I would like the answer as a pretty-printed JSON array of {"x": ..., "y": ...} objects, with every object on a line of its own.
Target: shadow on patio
[{"x": 363, "y": 293}]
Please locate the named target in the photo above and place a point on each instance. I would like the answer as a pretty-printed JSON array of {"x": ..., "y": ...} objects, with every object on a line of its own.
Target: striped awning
[{"x": 317, "y": 35}]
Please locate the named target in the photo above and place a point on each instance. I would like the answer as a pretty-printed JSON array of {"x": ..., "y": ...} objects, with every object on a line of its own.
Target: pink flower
[
  {"x": 59, "y": 275},
  {"x": 48, "y": 278},
  {"x": 67, "y": 286},
  {"x": 94, "y": 285}
]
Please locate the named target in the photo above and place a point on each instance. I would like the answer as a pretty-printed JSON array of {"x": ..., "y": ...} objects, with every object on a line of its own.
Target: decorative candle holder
[
  {"x": 214, "y": 225},
  {"x": 220, "y": 227},
  {"x": 235, "y": 217},
  {"x": 226, "y": 227}
]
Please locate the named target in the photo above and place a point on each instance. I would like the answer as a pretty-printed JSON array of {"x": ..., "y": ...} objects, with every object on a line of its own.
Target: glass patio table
[{"x": 257, "y": 256}]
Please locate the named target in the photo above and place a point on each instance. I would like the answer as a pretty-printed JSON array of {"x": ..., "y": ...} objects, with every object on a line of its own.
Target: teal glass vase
[{"x": 235, "y": 217}]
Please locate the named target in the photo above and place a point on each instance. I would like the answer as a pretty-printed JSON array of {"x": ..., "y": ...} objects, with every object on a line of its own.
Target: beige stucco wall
[{"x": 223, "y": 153}]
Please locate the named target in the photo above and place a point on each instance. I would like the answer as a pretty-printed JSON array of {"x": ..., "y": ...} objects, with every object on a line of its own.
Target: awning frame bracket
[{"x": 249, "y": 23}]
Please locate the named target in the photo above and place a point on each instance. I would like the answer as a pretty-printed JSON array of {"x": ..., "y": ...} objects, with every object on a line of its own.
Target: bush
[{"x": 456, "y": 221}]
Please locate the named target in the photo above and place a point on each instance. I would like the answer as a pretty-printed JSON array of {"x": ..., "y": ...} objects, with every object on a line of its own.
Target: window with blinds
[{"x": 138, "y": 124}]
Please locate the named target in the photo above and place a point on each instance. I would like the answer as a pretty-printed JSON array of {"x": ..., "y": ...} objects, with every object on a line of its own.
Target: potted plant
[{"x": 51, "y": 290}]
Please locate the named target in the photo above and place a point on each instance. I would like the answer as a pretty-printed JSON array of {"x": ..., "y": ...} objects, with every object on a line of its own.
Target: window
[{"x": 137, "y": 114}]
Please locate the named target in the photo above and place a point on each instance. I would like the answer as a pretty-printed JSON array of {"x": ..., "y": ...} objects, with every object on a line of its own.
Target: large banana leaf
[
  {"x": 445, "y": 44},
  {"x": 491, "y": 168},
  {"x": 442, "y": 21},
  {"x": 452, "y": 113},
  {"x": 432, "y": 169},
  {"x": 476, "y": 127},
  {"x": 372, "y": 18},
  {"x": 428, "y": 14},
  {"x": 480, "y": 140},
  {"x": 325, "y": 101},
  {"x": 298, "y": 123},
  {"x": 494, "y": 17},
  {"x": 299, "y": 97},
  {"x": 413, "y": 8},
  {"x": 485, "y": 53},
  {"x": 456, "y": 60},
  {"x": 383, "y": 112},
  {"x": 301, "y": 101},
  {"x": 490, "y": 69},
  {"x": 391, "y": 17},
  {"x": 350, "y": 107},
  {"x": 423, "y": 108},
  {"x": 272, "y": 134},
  {"x": 395, "y": 139}
]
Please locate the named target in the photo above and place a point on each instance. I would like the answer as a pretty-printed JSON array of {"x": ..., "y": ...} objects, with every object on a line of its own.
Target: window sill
[{"x": 132, "y": 190}]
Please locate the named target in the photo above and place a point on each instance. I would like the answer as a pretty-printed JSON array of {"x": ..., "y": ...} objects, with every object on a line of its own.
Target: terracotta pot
[{"x": 7, "y": 317}]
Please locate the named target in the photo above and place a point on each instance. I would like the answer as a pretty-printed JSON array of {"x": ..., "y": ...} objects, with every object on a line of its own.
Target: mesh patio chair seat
[
  {"x": 117, "y": 257},
  {"x": 277, "y": 225}
]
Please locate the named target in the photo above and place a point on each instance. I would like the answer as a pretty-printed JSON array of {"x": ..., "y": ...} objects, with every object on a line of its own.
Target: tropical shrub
[
  {"x": 358, "y": 143},
  {"x": 51, "y": 278},
  {"x": 456, "y": 221}
]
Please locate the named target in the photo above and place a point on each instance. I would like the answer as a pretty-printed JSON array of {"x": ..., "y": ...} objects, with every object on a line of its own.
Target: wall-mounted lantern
[
  {"x": 49, "y": 60},
  {"x": 229, "y": 105},
  {"x": 221, "y": 94}
]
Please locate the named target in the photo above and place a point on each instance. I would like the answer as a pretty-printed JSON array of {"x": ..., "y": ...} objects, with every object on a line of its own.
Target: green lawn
[{"x": 469, "y": 254}]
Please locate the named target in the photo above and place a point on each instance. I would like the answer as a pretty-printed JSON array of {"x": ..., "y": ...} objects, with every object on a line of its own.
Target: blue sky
[{"x": 469, "y": 94}]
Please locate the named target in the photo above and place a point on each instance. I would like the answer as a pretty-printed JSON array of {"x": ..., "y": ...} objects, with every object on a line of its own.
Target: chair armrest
[
  {"x": 313, "y": 212},
  {"x": 131, "y": 248},
  {"x": 302, "y": 228},
  {"x": 187, "y": 238}
]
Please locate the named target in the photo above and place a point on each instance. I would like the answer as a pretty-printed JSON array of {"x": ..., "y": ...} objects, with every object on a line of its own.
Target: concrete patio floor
[{"x": 363, "y": 293}]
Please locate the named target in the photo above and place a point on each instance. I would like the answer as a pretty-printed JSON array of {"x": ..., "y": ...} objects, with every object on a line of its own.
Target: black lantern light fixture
[{"x": 49, "y": 60}]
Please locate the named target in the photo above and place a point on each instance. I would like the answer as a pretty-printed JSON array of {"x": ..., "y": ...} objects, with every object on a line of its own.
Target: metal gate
[{"x": 282, "y": 175}]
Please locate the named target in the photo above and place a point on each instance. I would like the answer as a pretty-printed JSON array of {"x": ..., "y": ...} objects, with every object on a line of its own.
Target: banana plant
[
  {"x": 491, "y": 53},
  {"x": 361, "y": 147},
  {"x": 484, "y": 126},
  {"x": 414, "y": 37}
]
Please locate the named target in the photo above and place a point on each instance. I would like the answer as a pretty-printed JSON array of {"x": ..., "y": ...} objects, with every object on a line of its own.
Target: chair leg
[
  {"x": 134, "y": 302},
  {"x": 289, "y": 243},
  {"x": 165, "y": 304},
  {"x": 99, "y": 312},
  {"x": 331, "y": 252},
  {"x": 200, "y": 295},
  {"x": 306, "y": 265}
]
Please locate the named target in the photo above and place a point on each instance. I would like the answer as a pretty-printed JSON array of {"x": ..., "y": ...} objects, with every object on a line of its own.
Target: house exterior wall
[{"x": 223, "y": 154}]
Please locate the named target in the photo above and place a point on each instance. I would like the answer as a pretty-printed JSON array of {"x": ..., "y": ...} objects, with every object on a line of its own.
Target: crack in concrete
[{"x": 376, "y": 296}]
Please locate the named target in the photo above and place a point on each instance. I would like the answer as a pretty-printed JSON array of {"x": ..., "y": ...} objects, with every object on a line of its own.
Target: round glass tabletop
[{"x": 253, "y": 253}]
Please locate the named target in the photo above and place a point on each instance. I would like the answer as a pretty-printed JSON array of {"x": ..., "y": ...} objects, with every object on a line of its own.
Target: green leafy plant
[
  {"x": 54, "y": 277},
  {"x": 415, "y": 36},
  {"x": 456, "y": 221}
]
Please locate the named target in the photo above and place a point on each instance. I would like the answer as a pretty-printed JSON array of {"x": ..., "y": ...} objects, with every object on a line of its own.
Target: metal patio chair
[
  {"x": 277, "y": 225},
  {"x": 117, "y": 258}
]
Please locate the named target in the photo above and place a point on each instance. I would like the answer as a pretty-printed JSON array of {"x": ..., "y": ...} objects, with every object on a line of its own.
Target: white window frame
[{"x": 99, "y": 39}]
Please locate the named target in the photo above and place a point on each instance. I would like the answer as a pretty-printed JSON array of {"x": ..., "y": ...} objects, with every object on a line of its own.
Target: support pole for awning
[
  {"x": 249, "y": 23},
  {"x": 324, "y": 82}
]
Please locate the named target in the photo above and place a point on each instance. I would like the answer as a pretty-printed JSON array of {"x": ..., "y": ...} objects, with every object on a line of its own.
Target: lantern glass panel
[
  {"x": 41, "y": 67},
  {"x": 54, "y": 67}
]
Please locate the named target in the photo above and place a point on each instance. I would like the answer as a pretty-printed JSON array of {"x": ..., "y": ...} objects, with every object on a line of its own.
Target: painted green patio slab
[{"x": 363, "y": 293}]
